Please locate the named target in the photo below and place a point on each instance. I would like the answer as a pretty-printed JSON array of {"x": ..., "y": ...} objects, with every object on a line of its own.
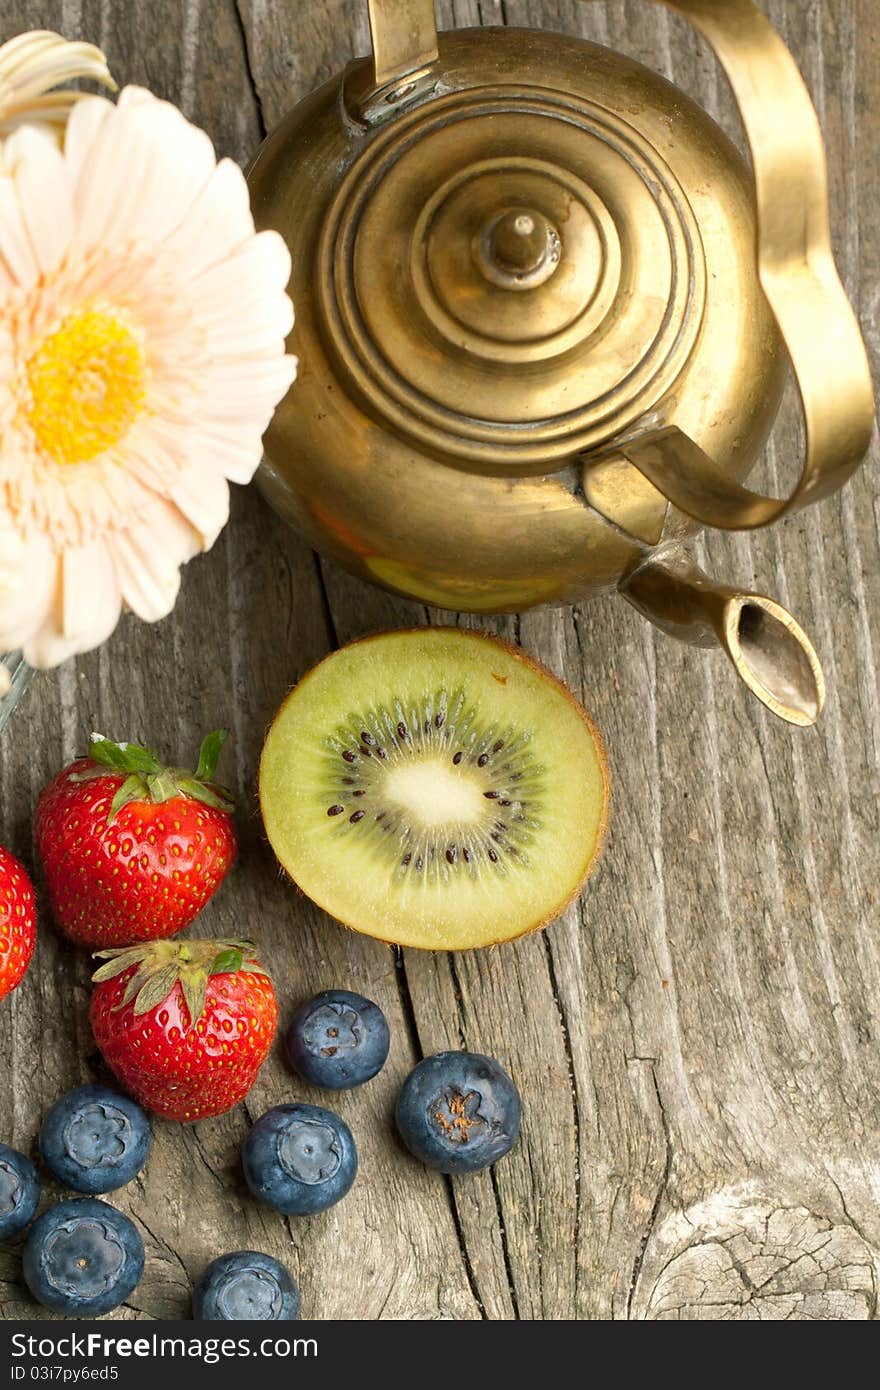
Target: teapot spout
[{"x": 768, "y": 648}]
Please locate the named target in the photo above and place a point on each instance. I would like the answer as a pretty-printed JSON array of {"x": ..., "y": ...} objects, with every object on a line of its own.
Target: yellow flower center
[{"x": 87, "y": 383}]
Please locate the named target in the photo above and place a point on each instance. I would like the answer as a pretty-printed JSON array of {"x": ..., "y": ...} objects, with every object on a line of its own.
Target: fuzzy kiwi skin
[{"x": 601, "y": 754}]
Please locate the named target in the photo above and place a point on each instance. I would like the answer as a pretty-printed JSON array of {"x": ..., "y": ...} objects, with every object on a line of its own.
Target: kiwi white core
[
  {"x": 434, "y": 788},
  {"x": 434, "y": 795}
]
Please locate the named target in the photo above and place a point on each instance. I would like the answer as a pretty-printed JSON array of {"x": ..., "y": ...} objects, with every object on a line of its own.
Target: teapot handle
[
  {"x": 794, "y": 262},
  {"x": 404, "y": 37},
  {"x": 797, "y": 274}
]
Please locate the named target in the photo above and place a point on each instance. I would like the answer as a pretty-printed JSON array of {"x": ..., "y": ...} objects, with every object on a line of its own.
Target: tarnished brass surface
[
  {"x": 404, "y": 38},
  {"x": 346, "y": 456},
  {"x": 535, "y": 339},
  {"x": 619, "y": 492},
  {"x": 445, "y": 351},
  {"x": 768, "y": 649}
]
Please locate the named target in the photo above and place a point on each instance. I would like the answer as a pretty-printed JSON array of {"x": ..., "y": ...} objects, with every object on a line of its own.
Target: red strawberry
[
  {"x": 18, "y": 922},
  {"x": 132, "y": 849},
  {"x": 184, "y": 1025}
]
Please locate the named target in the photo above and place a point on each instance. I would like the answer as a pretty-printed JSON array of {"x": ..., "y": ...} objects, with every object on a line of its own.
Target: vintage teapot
[{"x": 544, "y": 314}]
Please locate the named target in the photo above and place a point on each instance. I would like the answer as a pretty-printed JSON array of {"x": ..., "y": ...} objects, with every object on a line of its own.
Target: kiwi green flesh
[{"x": 434, "y": 788}]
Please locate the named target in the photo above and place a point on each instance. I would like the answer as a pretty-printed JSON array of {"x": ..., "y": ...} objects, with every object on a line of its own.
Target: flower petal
[
  {"x": 17, "y": 259},
  {"x": 82, "y": 609},
  {"x": 236, "y": 452},
  {"x": 233, "y": 396},
  {"x": 44, "y": 192},
  {"x": 148, "y": 561},
  {"x": 141, "y": 174},
  {"x": 90, "y": 596},
  {"x": 82, "y": 127},
  {"x": 218, "y": 221},
  {"x": 258, "y": 267},
  {"x": 202, "y": 495},
  {"x": 28, "y": 584}
]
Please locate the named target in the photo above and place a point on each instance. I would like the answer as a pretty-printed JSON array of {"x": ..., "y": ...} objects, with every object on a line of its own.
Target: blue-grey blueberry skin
[
  {"x": 82, "y": 1258},
  {"x": 458, "y": 1112},
  {"x": 299, "y": 1159},
  {"x": 95, "y": 1139},
  {"x": 337, "y": 1040},
  {"x": 19, "y": 1191},
  {"x": 246, "y": 1285}
]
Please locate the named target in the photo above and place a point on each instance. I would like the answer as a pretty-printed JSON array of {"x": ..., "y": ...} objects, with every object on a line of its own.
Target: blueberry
[
  {"x": 337, "y": 1040},
  {"x": 245, "y": 1285},
  {"x": 83, "y": 1257},
  {"x": 95, "y": 1140},
  {"x": 19, "y": 1191},
  {"x": 458, "y": 1112},
  {"x": 299, "y": 1159}
]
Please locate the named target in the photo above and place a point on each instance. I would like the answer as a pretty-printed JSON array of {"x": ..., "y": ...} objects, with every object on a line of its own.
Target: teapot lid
[{"x": 509, "y": 274}]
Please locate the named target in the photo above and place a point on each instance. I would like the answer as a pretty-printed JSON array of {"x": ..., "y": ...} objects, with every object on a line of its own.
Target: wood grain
[{"x": 697, "y": 1040}]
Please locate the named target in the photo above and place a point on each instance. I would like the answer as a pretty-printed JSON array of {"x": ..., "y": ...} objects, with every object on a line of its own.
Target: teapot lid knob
[{"x": 518, "y": 249}]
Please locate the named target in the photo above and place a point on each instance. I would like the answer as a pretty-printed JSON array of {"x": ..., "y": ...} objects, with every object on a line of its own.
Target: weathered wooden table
[{"x": 697, "y": 1041}]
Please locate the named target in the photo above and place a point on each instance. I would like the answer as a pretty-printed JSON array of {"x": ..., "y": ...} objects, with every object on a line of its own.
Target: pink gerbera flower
[{"x": 142, "y": 352}]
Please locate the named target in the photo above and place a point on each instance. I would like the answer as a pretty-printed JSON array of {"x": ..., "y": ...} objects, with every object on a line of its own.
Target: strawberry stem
[
  {"x": 229, "y": 959},
  {"x": 122, "y": 757},
  {"x": 162, "y": 786},
  {"x": 147, "y": 779},
  {"x": 209, "y": 754},
  {"x": 158, "y": 966}
]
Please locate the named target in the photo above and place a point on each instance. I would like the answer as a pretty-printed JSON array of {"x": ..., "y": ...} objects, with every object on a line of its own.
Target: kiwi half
[{"x": 434, "y": 788}]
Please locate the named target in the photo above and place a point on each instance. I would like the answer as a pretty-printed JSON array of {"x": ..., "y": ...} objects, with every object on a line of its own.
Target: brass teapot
[{"x": 544, "y": 315}]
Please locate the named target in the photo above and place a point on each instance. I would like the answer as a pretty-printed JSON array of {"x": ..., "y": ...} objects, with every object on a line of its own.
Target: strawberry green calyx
[
  {"x": 148, "y": 779},
  {"x": 160, "y": 965}
]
